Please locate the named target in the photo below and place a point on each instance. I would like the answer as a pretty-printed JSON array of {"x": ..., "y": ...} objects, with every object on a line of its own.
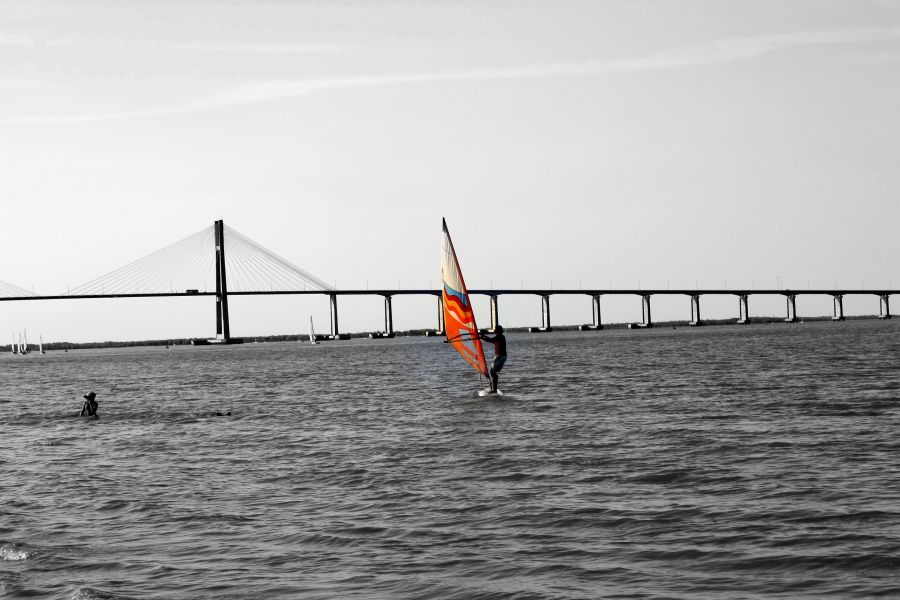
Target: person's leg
[{"x": 495, "y": 370}]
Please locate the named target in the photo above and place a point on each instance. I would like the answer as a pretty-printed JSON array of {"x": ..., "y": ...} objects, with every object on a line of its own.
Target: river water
[{"x": 718, "y": 462}]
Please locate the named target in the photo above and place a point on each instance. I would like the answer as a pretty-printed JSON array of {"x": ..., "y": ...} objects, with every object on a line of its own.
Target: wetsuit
[
  {"x": 89, "y": 409},
  {"x": 499, "y": 342}
]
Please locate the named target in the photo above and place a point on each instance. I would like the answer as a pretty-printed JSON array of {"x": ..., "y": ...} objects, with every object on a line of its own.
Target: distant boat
[
  {"x": 12, "y": 347},
  {"x": 41, "y": 345},
  {"x": 312, "y": 332}
]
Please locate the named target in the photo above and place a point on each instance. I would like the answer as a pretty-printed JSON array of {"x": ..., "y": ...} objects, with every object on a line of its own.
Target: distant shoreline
[{"x": 63, "y": 346}]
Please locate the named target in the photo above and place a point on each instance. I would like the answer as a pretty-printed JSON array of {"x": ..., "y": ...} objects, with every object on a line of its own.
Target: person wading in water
[
  {"x": 89, "y": 409},
  {"x": 499, "y": 341}
]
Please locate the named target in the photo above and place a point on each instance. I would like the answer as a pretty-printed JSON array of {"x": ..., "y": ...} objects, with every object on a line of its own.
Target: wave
[
  {"x": 87, "y": 593},
  {"x": 15, "y": 552}
]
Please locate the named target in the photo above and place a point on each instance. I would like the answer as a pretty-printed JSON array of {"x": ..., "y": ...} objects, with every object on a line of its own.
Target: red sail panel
[{"x": 459, "y": 318}]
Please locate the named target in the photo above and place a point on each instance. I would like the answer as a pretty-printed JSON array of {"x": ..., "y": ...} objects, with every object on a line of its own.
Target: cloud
[
  {"x": 15, "y": 40},
  {"x": 257, "y": 48},
  {"x": 711, "y": 53},
  {"x": 747, "y": 48}
]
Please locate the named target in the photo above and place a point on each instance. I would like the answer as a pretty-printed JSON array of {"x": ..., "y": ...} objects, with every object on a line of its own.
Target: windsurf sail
[{"x": 459, "y": 318}]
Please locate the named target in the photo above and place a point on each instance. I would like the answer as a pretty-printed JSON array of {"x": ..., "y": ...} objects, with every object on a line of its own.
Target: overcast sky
[{"x": 593, "y": 144}]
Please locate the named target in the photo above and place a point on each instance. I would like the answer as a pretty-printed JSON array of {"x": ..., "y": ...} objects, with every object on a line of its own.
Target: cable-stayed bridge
[
  {"x": 220, "y": 261},
  {"x": 194, "y": 264},
  {"x": 14, "y": 292}
]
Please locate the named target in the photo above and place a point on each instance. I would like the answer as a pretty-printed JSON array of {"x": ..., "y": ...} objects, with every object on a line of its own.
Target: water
[{"x": 720, "y": 462}]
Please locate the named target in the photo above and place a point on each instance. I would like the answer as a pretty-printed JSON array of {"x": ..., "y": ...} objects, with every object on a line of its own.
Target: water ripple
[{"x": 716, "y": 463}]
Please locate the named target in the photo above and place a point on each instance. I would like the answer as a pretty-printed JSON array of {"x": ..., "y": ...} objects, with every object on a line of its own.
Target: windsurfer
[
  {"x": 499, "y": 341},
  {"x": 89, "y": 409}
]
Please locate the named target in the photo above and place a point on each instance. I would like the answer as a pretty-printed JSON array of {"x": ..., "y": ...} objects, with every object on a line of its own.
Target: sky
[{"x": 569, "y": 144}]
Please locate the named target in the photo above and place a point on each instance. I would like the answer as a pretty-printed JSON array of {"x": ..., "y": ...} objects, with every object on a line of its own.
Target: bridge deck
[{"x": 487, "y": 292}]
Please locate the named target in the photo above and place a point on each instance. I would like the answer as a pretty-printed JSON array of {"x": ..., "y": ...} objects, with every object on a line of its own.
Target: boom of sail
[{"x": 459, "y": 318}]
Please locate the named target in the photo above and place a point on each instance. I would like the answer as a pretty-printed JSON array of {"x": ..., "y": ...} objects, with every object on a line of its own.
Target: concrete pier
[
  {"x": 441, "y": 327},
  {"x": 545, "y": 315},
  {"x": 388, "y": 317},
  {"x": 838, "y": 307},
  {"x": 884, "y": 306},
  {"x": 743, "y": 310},
  {"x": 646, "y": 319},
  {"x": 440, "y": 318},
  {"x": 388, "y": 320},
  {"x": 334, "y": 316},
  {"x": 695, "y": 310},
  {"x": 335, "y": 332},
  {"x": 791, "y": 309},
  {"x": 597, "y": 323},
  {"x": 495, "y": 313}
]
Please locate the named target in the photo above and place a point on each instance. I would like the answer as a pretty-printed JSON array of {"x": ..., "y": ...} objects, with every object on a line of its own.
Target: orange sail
[{"x": 459, "y": 318}]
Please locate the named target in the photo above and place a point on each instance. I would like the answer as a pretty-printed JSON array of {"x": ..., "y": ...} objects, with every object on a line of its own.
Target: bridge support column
[
  {"x": 495, "y": 314},
  {"x": 597, "y": 323},
  {"x": 388, "y": 321},
  {"x": 695, "y": 310},
  {"x": 335, "y": 332},
  {"x": 545, "y": 315},
  {"x": 884, "y": 306},
  {"x": 223, "y": 330},
  {"x": 838, "y": 307},
  {"x": 646, "y": 319},
  {"x": 388, "y": 317},
  {"x": 791, "y": 309},
  {"x": 334, "y": 315},
  {"x": 440, "y": 319},
  {"x": 743, "y": 310}
]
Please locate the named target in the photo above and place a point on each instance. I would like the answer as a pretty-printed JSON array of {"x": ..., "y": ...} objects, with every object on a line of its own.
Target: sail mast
[{"x": 312, "y": 332}]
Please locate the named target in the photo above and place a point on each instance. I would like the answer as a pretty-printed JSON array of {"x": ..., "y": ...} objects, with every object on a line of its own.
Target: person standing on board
[
  {"x": 499, "y": 341},
  {"x": 89, "y": 409}
]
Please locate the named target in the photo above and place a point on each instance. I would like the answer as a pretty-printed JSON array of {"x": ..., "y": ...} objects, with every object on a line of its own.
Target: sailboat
[
  {"x": 41, "y": 345},
  {"x": 12, "y": 347},
  {"x": 25, "y": 347},
  {"x": 312, "y": 332},
  {"x": 459, "y": 318}
]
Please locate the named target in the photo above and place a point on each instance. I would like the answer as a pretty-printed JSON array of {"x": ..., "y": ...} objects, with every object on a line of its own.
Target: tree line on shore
[{"x": 55, "y": 346}]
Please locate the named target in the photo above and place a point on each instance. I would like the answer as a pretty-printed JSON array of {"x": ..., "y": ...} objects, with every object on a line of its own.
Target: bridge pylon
[{"x": 223, "y": 330}]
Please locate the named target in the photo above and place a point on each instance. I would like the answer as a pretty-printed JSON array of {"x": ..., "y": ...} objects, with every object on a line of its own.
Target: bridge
[{"x": 219, "y": 261}]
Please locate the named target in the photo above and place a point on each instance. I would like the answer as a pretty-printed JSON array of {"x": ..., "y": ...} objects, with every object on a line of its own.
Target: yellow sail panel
[{"x": 459, "y": 318}]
